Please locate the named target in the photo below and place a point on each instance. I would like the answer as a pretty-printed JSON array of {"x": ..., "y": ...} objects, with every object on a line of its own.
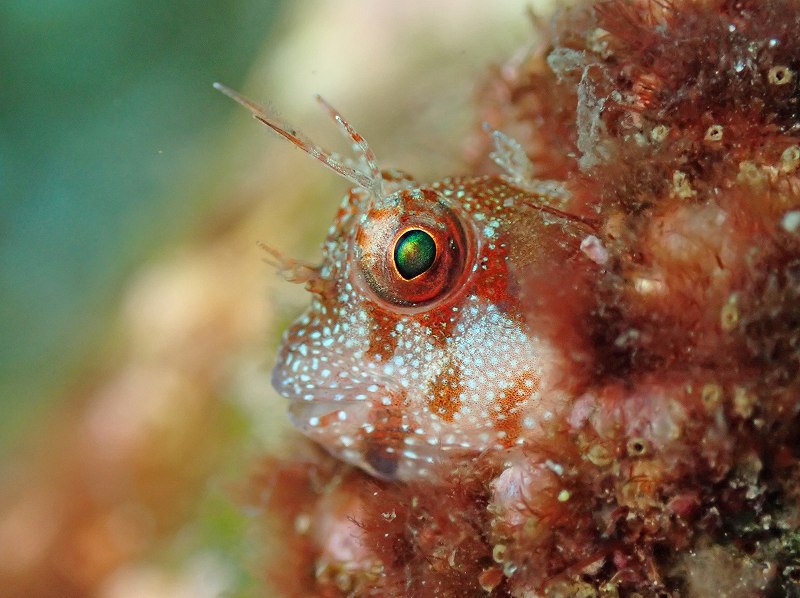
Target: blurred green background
[
  {"x": 136, "y": 318},
  {"x": 107, "y": 125}
]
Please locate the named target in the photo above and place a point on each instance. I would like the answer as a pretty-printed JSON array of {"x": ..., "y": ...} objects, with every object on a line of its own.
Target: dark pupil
[{"x": 414, "y": 253}]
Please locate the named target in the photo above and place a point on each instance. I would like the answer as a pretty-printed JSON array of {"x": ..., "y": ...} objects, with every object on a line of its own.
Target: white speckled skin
[{"x": 395, "y": 386}]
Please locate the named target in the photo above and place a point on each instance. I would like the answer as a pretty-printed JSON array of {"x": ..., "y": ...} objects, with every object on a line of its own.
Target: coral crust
[{"x": 672, "y": 466}]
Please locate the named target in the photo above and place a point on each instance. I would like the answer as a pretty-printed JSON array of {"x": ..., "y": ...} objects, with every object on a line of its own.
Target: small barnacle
[
  {"x": 711, "y": 395},
  {"x": 681, "y": 186},
  {"x": 659, "y": 133},
  {"x": 780, "y": 75},
  {"x": 790, "y": 158},
  {"x": 637, "y": 447},
  {"x": 499, "y": 553},
  {"x": 599, "y": 455},
  {"x": 729, "y": 315},
  {"x": 714, "y": 133},
  {"x": 344, "y": 581}
]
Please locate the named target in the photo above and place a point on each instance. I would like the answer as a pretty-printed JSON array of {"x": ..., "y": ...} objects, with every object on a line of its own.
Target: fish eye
[
  {"x": 414, "y": 253},
  {"x": 415, "y": 250}
]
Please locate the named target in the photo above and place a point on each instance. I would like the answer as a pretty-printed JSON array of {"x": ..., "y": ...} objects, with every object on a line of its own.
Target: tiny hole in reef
[{"x": 637, "y": 447}]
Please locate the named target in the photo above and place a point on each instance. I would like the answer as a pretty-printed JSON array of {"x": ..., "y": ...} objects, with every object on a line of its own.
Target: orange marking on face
[
  {"x": 495, "y": 289},
  {"x": 444, "y": 393},
  {"x": 382, "y": 342},
  {"x": 507, "y": 416}
]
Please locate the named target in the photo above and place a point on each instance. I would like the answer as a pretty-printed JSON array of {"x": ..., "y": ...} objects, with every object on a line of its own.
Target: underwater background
[
  {"x": 138, "y": 320},
  {"x": 108, "y": 123}
]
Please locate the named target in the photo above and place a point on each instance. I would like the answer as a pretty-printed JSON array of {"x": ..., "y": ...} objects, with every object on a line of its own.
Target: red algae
[{"x": 664, "y": 460}]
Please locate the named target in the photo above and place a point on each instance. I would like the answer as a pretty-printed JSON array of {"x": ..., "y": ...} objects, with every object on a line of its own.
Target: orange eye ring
[{"x": 416, "y": 252}]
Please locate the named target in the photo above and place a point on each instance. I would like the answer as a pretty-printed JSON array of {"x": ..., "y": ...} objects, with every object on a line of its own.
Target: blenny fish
[{"x": 422, "y": 342}]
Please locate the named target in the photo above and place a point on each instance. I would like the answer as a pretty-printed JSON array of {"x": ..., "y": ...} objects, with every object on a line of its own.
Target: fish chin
[{"x": 351, "y": 425}]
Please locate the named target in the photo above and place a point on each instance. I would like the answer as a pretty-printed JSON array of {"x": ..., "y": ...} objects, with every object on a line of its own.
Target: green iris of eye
[{"x": 414, "y": 253}]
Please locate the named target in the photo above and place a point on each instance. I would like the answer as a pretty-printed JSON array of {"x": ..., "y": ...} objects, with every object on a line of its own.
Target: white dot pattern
[{"x": 396, "y": 391}]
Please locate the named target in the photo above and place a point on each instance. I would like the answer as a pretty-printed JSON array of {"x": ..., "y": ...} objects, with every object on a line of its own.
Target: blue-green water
[{"x": 107, "y": 118}]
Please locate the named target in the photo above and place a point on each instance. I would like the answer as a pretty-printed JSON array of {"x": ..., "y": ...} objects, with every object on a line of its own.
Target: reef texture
[{"x": 673, "y": 468}]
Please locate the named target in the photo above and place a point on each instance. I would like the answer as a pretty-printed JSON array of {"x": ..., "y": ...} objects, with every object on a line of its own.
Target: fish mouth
[
  {"x": 334, "y": 396},
  {"x": 357, "y": 414},
  {"x": 322, "y": 401},
  {"x": 359, "y": 424}
]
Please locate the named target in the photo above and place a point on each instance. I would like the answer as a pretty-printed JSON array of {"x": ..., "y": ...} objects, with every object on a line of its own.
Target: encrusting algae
[{"x": 578, "y": 377}]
